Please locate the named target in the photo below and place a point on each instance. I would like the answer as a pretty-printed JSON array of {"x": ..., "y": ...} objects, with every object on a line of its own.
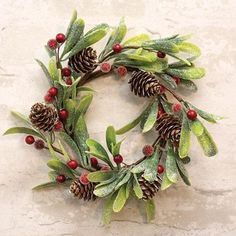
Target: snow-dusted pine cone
[
  {"x": 149, "y": 188},
  {"x": 169, "y": 127},
  {"x": 82, "y": 191},
  {"x": 144, "y": 84},
  {"x": 43, "y": 117},
  {"x": 84, "y": 61}
]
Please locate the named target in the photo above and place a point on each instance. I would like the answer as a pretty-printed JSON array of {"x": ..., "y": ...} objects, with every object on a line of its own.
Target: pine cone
[
  {"x": 149, "y": 188},
  {"x": 84, "y": 61},
  {"x": 144, "y": 84},
  {"x": 169, "y": 127},
  {"x": 83, "y": 191},
  {"x": 43, "y": 117}
]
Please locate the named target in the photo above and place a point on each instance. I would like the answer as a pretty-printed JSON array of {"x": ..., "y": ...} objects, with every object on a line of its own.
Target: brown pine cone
[
  {"x": 82, "y": 191},
  {"x": 144, "y": 84},
  {"x": 169, "y": 127},
  {"x": 43, "y": 117},
  {"x": 84, "y": 61},
  {"x": 149, "y": 188}
]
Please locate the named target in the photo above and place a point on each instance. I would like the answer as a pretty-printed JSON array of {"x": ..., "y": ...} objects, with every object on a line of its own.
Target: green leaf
[
  {"x": 69, "y": 141},
  {"x": 196, "y": 127},
  {"x": 60, "y": 167},
  {"x": 97, "y": 150},
  {"x": 110, "y": 137},
  {"x": 120, "y": 199},
  {"x": 83, "y": 105},
  {"x": 52, "y": 175},
  {"x": 24, "y": 130},
  {"x": 184, "y": 143},
  {"x": 65, "y": 154},
  {"x": 50, "y": 185},
  {"x": 108, "y": 209},
  {"x": 182, "y": 171},
  {"x": 51, "y": 150},
  {"x": 73, "y": 18},
  {"x": 207, "y": 143},
  {"x": 129, "y": 126},
  {"x": 21, "y": 117},
  {"x": 116, "y": 148},
  {"x": 162, "y": 45},
  {"x": 45, "y": 70},
  {"x": 80, "y": 137},
  {"x": 168, "y": 80},
  {"x": 137, "y": 40},
  {"x": 166, "y": 183},
  {"x": 171, "y": 168},
  {"x": 207, "y": 116},
  {"x": 84, "y": 89},
  {"x": 157, "y": 66},
  {"x": 116, "y": 37},
  {"x": 70, "y": 106},
  {"x": 91, "y": 37},
  {"x": 187, "y": 72},
  {"x": 150, "y": 209},
  {"x": 136, "y": 187},
  {"x": 100, "y": 176},
  {"x": 189, "y": 48},
  {"x": 129, "y": 186},
  {"x": 74, "y": 35},
  {"x": 182, "y": 60},
  {"x": 188, "y": 85},
  {"x": 144, "y": 56},
  {"x": 167, "y": 106},
  {"x": 52, "y": 69},
  {"x": 105, "y": 190},
  {"x": 124, "y": 180},
  {"x": 148, "y": 166},
  {"x": 150, "y": 119}
]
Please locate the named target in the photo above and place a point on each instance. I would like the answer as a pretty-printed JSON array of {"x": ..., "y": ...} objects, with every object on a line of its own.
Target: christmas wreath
[{"x": 80, "y": 163}]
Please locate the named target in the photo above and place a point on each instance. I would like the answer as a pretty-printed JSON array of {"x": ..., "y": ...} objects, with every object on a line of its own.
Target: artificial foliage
[{"x": 157, "y": 70}]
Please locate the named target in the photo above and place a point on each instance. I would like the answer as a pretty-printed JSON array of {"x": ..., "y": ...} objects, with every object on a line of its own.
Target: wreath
[{"x": 80, "y": 163}]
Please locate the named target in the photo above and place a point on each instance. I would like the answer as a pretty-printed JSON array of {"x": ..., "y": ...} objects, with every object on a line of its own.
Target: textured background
[{"x": 206, "y": 208}]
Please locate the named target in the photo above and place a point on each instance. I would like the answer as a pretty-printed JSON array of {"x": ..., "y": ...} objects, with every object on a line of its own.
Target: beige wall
[{"x": 206, "y": 208}]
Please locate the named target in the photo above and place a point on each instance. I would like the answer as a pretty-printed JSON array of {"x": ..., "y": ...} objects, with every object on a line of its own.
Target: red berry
[
  {"x": 176, "y": 79},
  {"x": 160, "y": 169},
  {"x": 52, "y": 43},
  {"x": 191, "y": 114},
  {"x": 61, "y": 178},
  {"x": 84, "y": 179},
  {"x": 69, "y": 81},
  {"x": 122, "y": 71},
  {"x": 105, "y": 168},
  {"x": 66, "y": 71},
  {"x": 118, "y": 159},
  {"x": 176, "y": 107},
  {"x": 148, "y": 150},
  {"x": 63, "y": 114},
  {"x": 48, "y": 98},
  {"x": 117, "y": 48},
  {"x": 58, "y": 126},
  {"x": 161, "y": 54},
  {"x": 73, "y": 164},
  {"x": 39, "y": 144},
  {"x": 60, "y": 38},
  {"x": 94, "y": 162},
  {"x": 53, "y": 91},
  {"x": 105, "y": 67},
  {"x": 29, "y": 139},
  {"x": 162, "y": 89}
]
